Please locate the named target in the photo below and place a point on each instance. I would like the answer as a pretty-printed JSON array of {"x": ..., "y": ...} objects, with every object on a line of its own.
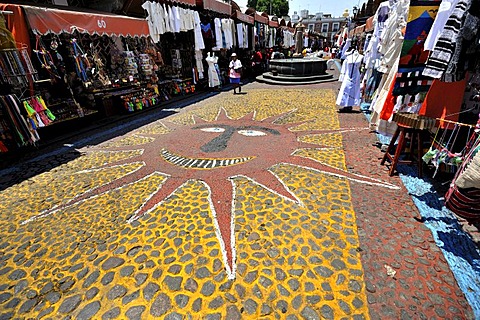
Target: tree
[
  {"x": 252, "y": 4},
  {"x": 279, "y": 7}
]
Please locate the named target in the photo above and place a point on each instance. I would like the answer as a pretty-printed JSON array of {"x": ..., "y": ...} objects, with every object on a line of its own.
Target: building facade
[{"x": 322, "y": 23}]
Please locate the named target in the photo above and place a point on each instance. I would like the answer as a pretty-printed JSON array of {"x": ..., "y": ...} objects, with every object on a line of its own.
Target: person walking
[{"x": 235, "y": 73}]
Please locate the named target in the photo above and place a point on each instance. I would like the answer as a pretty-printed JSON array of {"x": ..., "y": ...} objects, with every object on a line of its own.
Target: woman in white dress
[{"x": 213, "y": 79}]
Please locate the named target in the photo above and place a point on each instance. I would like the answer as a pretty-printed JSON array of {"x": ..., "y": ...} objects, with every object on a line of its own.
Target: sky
[{"x": 335, "y": 7}]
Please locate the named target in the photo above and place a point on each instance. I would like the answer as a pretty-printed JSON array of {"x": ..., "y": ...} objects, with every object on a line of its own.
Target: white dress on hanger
[
  {"x": 199, "y": 43},
  {"x": 218, "y": 33},
  {"x": 166, "y": 19},
  {"x": 227, "y": 31},
  {"x": 199, "y": 63},
  {"x": 213, "y": 79},
  {"x": 240, "y": 35},
  {"x": 177, "y": 23},
  {"x": 350, "y": 76}
]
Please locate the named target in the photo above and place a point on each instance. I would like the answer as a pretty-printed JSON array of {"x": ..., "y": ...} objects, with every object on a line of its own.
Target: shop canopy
[
  {"x": 46, "y": 20},
  {"x": 273, "y": 22},
  {"x": 243, "y": 17},
  {"x": 359, "y": 30},
  {"x": 216, "y": 6},
  {"x": 369, "y": 25},
  {"x": 258, "y": 16},
  {"x": 239, "y": 15},
  {"x": 134, "y": 7}
]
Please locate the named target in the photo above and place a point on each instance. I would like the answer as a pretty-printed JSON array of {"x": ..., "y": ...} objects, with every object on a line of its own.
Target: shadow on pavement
[{"x": 16, "y": 168}]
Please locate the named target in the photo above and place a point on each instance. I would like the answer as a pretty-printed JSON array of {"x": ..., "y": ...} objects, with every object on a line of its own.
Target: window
[
  {"x": 335, "y": 26},
  {"x": 311, "y": 26},
  {"x": 324, "y": 27}
]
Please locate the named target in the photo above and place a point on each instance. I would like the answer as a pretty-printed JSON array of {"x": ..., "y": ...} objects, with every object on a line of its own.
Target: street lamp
[{"x": 355, "y": 11}]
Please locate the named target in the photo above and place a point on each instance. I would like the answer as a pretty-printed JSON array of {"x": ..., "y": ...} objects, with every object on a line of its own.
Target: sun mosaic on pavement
[{"x": 239, "y": 207}]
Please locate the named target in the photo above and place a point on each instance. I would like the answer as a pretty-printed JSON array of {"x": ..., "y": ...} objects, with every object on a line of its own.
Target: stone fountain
[{"x": 297, "y": 70}]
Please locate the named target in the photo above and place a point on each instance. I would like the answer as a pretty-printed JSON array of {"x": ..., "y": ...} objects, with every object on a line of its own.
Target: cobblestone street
[{"x": 265, "y": 205}]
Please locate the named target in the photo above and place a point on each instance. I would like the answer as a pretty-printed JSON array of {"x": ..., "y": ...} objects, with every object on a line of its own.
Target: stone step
[{"x": 268, "y": 77}]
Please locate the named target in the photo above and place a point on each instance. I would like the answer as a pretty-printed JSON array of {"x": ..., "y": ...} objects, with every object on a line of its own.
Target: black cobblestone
[{"x": 89, "y": 311}]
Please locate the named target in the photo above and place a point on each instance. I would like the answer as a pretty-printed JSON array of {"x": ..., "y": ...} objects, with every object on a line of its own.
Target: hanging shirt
[
  {"x": 166, "y": 19},
  {"x": 240, "y": 35},
  {"x": 206, "y": 29},
  {"x": 379, "y": 19},
  {"x": 392, "y": 37},
  {"x": 218, "y": 33},
  {"x": 227, "y": 31},
  {"x": 234, "y": 32},
  {"x": 199, "y": 63},
  {"x": 171, "y": 17},
  {"x": 245, "y": 36},
  {"x": 444, "y": 12},
  {"x": 150, "y": 7},
  {"x": 177, "y": 23},
  {"x": 199, "y": 44},
  {"x": 159, "y": 18},
  {"x": 190, "y": 19}
]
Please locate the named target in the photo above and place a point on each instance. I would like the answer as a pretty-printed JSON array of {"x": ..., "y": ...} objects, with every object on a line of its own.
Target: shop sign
[{"x": 47, "y": 20}]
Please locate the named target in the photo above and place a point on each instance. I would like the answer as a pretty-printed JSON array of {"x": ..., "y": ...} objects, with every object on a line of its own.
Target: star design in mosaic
[{"x": 217, "y": 153}]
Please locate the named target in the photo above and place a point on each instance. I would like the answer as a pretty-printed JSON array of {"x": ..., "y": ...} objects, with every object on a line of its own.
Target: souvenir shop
[
  {"x": 59, "y": 65},
  {"x": 419, "y": 77}
]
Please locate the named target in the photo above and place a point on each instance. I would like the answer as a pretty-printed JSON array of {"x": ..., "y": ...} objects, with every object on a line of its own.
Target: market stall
[
  {"x": 416, "y": 54},
  {"x": 82, "y": 64}
]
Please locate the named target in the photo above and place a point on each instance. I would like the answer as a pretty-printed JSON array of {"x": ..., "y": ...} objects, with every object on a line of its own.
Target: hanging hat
[{"x": 234, "y": 54}]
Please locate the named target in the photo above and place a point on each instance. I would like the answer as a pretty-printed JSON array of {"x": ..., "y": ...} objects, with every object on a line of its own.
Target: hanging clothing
[
  {"x": 166, "y": 18},
  {"x": 151, "y": 7},
  {"x": 245, "y": 36},
  {"x": 392, "y": 37},
  {"x": 172, "y": 19},
  {"x": 227, "y": 32},
  {"x": 437, "y": 104},
  {"x": 444, "y": 12},
  {"x": 213, "y": 77},
  {"x": 240, "y": 35},
  {"x": 372, "y": 54},
  {"x": 17, "y": 129},
  {"x": 442, "y": 56},
  {"x": 199, "y": 63},
  {"x": 218, "y": 33},
  {"x": 349, "y": 94},
  {"x": 385, "y": 87},
  {"x": 176, "y": 20},
  {"x": 345, "y": 49},
  {"x": 233, "y": 31},
  {"x": 199, "y": 44}
]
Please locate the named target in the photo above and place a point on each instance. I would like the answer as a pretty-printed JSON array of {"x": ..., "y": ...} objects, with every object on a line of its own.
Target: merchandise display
[
  {"x": 400, "y": 77},
  {"x": 82, "y": 70}
]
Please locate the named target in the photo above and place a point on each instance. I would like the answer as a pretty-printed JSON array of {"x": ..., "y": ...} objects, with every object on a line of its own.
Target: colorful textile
[
  {"x": 448, "y": 42},
  {"x": 437, "y": 104},
  {"x": 410, "y": 80},
  {"x": 463, "y": 197}
]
